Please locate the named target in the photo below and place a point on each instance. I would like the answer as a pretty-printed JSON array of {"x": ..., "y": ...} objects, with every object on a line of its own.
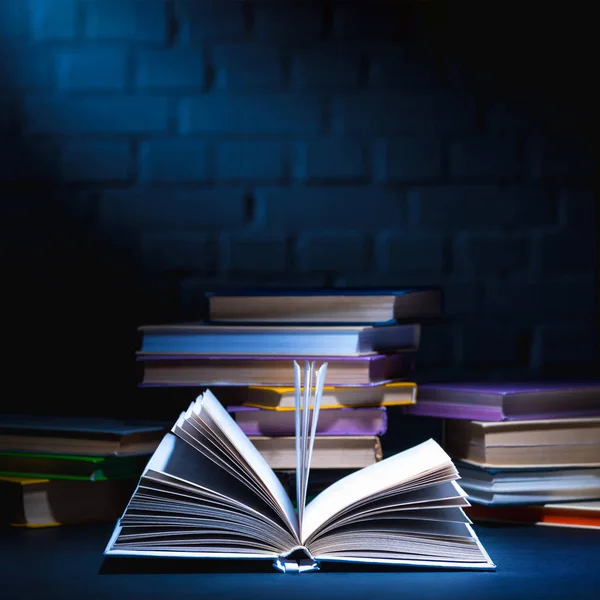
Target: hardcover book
[
  {"x": 370, "y": 421},
  {"x": 349, "y": 371},
  {"x": 340, "y": 306},
  {"x": 507, "y": 401},
  {"x": 208, "y": 493},
  {"x": 198, "y": 338}
]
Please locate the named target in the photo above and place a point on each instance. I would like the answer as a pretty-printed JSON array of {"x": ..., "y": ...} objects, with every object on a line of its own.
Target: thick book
[
  {"x": 207, "y": 492},
  {"x": 371, "y": 421},
  {"x": 38, "y": 502},
  {"x": 164, "y": 370},
  {"x": 76, "y": 467},
  {"x": 507, "y": 401},
  {"x": 288, "y": 340},
  {"x": 397, "y": 393},
  {"x": 532, "y": 444},
  {"x": 496, "y": 487},
  {"x": 329, "y": 451},
  {"x": 78, "y": 435},
  {"x": 580, "y": 515},
  {"x": 329, "y": 306}
]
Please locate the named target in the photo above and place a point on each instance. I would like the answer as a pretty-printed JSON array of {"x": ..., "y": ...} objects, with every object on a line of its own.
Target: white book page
[
  {"x": 308, "y": 391},
  {"x": 244, "y": 446},
  {"x": 371, "y": 480}
]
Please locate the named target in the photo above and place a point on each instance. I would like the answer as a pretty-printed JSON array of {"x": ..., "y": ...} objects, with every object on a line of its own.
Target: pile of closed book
[
  {"x": 67, "y": 470},
  {"x": 526, "y": 452},
  {"x": 245, "y": 354}
]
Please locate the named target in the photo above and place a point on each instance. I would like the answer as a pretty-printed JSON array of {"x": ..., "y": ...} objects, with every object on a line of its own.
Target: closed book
[
  {"x": 39, "y": 502},
  {"x": 271, "y": 370},
  {"x": 396, "y": 393},
  {"x": 340, "y": 421},
  {"x": 516, "y": 486},
  {"x": 340, "y": 306},
  {"x": 74, "y": 467},
  {"x": 528, "y": 443},
  {"x": 78, "y": 435},
  {"x": 290, "y": 340},
  {"x": 580, "y": 515},
  {"x": 507, "y": 401}
]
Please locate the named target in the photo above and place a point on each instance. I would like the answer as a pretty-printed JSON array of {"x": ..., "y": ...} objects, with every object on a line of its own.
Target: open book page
[
  {"x": 230, "y": 433},
  {"x": 186, "y": 504},
  {"x": 371, "y": 481},
  {"x": 309, "y": 389}
]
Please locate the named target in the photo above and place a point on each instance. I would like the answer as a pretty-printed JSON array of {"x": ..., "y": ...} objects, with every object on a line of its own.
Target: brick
[
  {"x": 106, "y": 114},
  {"x": 502, "y": 118},
  {"x": 97, "y": 69},
  {"x": 437, "y": 346},
  {"x": 336, "y": 251},
  {"x": 325, "y": 66},
  {"x": 248, "y": 67},
  {"x": 561, "y": 159},
  {"x": 251, "y": 113},
  {"x": 256, "y": 251},
  {"x": 462, "y": 298},
  {"x": 399, "y": 252},
  {"x": 372, "y": 22},
  {"x": 484, "y": 158},
  {"x": 176, "y": 209},
  {"x": 331, "y": 160},
  {"x": 167, "y": 69},
  {"x": 567, "y": 254},
  {"x": 29, "y": 68},
  {"x": 210, "y": 20},
  {"x": 403, "y": 113},
  {"x": 402, "y": 66},
  {"x": 485, "y": 345},
  {"x": 485, "y": 254},
  {"x": 410, "y": 159},
  {"x": 579, "y": 210},
  {"x": 13, "y": 20},
  {"x": 553, "y": 299},
  {"x": 259, "y": 160},
  {"x": 566, "y": 344},
  {"x": 292, "y": 21},
  {"x": 54, "y": 20},
  {"x": 96, "y": 161},
  {"x": 181, "y": 252},
  {"x": 353, "y": 207},
  {"x": 174, "y": 160},
  {"x": 484, "y": 207},
  {"x": 26, "y": 165},
  {"x": 126, "y": 20}
]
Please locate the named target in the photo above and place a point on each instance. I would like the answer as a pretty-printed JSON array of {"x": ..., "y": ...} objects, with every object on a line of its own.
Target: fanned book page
[{"x": 207, "y": 492}]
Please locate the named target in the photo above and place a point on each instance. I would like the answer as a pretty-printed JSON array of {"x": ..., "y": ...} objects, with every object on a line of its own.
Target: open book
[{"x": 207, "y": 492}]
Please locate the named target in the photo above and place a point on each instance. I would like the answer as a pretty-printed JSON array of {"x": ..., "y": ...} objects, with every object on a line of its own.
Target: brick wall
[{"x": 151, "y": 150}]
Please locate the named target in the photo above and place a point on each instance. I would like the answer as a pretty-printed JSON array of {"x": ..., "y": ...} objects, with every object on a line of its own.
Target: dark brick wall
[{"x": 150, "y": 150}]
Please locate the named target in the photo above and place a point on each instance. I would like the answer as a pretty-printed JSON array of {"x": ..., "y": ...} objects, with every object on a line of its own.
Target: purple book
[
  {"x": 507, "y": 401},
  {"x": 194, "y": 370},
  {"x": 337, "y": 421}
]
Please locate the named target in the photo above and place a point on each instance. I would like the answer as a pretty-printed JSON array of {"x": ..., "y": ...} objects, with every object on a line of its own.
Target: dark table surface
[{"x": 532, "y": 562}]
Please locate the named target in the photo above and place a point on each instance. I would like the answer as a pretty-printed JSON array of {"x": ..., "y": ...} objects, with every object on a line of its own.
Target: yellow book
[{"x": 399, "y": 393}]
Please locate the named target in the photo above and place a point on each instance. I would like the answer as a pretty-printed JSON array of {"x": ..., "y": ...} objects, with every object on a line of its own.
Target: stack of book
[
  {"x": 65, "y": 470},
  {"x": 245, "y": 353},
  {"x": 523, "y": 450}
]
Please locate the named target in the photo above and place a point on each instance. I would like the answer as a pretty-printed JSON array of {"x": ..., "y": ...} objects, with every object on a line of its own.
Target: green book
[{"x": 75, "y": 467}]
